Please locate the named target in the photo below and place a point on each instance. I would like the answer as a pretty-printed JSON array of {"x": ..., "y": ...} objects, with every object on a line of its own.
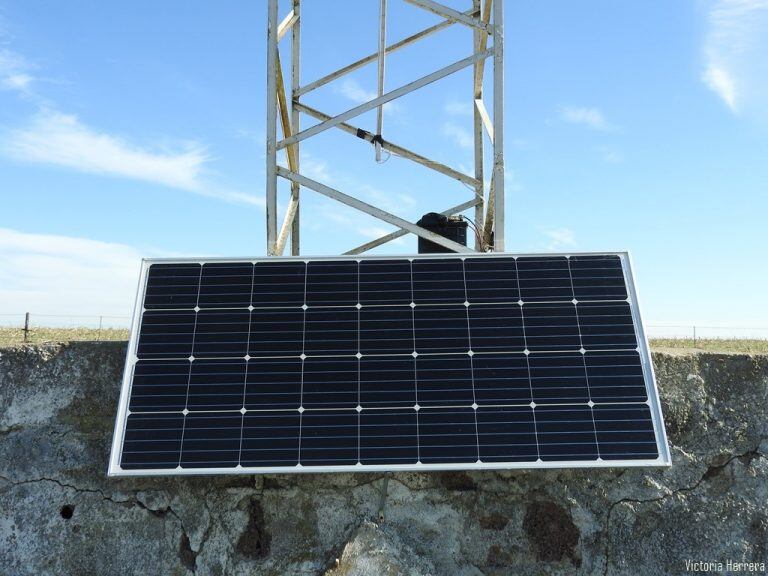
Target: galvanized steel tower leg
[
  {"x": 296, "y": 120},
  {"x": 272, "y": 128},
  {"x": 477, "y": 90},
  {"x": 488, "y": 211},
  {"x": 498, "y": 124}
]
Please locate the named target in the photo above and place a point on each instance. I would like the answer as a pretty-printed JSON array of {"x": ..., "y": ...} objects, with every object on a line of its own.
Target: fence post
[
  {"x": 694, "y": 336},
  {"x": 26, "y": 327},
  {"x": 101, "y": 321}
]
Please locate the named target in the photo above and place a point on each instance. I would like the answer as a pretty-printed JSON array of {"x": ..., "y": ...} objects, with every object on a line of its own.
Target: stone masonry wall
[{"x": 60, "y": 514}]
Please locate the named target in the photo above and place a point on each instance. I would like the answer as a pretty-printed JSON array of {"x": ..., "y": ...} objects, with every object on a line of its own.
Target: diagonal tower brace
[{"x": 485, "y": 18}]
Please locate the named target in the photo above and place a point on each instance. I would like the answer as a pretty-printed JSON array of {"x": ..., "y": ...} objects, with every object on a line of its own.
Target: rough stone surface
[{"x": 62, "y": 515}]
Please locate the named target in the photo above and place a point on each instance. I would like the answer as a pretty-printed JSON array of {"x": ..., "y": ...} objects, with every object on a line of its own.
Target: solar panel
[{"x": 413, "y": 363}]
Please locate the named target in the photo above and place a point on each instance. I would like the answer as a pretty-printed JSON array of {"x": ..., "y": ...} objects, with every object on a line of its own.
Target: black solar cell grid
[{"x": 399, "y": 362}]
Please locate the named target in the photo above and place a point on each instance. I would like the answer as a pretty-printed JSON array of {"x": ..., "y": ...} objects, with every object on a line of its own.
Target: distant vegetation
[
  {"x": 15, "y": 336},
  {"x": 734, "y": 345}
]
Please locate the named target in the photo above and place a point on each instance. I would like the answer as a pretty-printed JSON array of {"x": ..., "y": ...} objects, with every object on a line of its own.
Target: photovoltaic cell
[
  {"x": 332, "y": 284},
  {"x": 172, "y": 286},
  {"x": 279, "y": 284},
  {"x": 387, "y": 381},
  {"x": 385, "y": 282},
  {"x": 597, "y": 278},
  {"x": 270, "y": 438},
  {"x": 615, "y": 376},
  {"x": 221, "y": 333},
  {"x": 211, "y": 439},
  {"x": 331, "y": 331},
  {"x": 492, "y": 280},
  {"x": 558, "y": 378},
  {"x": 391, "y": 363},
  {"x": 441, "y": 329},
  {"x": 216, "y": 384},
  {"x": 160, "y": 386},
  {"x": 329, "y": 438},
  {"x": 386, "y": 330},
  {"x": 167, "y": 334},
  {"x": 624, "y": 430},
  {"x": 330, "y": 382},
  {"x": 276, "y": 332},
  {"x": 444, "y": 380},
  {"x": 566, "y": 432},
  {"x": 496, "y": 328},
  {"x": 152, "y": 440},
  {"x": 502, "y": 379},
  {"x": 544, "y": 279},
  {"x": 438, "y": 281},
  {"x": 273, "y": 384},
  {"x": 388, "y": 437},
  {"x": 507, "y": 434},
  {"x": 447, "y": 435},
  {"x": 226, "y": 285}
]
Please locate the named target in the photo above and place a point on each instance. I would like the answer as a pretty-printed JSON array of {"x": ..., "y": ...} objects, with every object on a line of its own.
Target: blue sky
[{"x": 137, "y": 129}]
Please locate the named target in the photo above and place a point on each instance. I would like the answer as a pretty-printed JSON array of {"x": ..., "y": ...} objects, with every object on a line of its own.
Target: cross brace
[{"x": 485, "y": 19}]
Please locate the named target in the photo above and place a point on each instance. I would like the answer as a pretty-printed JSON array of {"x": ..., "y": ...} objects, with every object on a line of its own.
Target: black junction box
[{"x": 452, "y": 227}]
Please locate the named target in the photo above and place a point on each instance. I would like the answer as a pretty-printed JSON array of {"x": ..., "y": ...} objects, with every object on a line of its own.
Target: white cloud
[
  {"x": 353, "y": 91},
  {"x": 318, "y": 169},
  {"x": 718, "y": 80},
  {"x": 736, "y": 53},
  {"x": 462, "y": 137},
  {"x": 456, "y": 108},
  {"x": 374, "y": 232},
  {"x": 590, "y": 117},
  {"x": 315, "y": 169},
  {"x": 19, "y": 82},
  {"x": 395, "y": 202},
  {"x": 559, "y": 239},
  {"x": 362, "y": 225},
  {"x": 62, "y": 140},
  {"x": 52, "y": 137},
  {"x": 405, "y": 199},
  {"x": 15, "y": 72},
  {"x": 63, "y": 275}
]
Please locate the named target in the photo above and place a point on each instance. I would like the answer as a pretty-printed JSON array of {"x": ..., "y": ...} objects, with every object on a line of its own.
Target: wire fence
[
  {"x": 706, "y": 332},
  {"x": 28, "y": 327},
  {"x": 31, "y": 320}
]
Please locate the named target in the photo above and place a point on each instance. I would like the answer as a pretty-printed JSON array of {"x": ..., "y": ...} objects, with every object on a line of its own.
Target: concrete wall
[{"x": 59, "y": 514}]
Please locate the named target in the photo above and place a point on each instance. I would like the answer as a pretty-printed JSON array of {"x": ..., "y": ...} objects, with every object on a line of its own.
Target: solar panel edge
[
  {"x": 118, "y": 439},
  {"x": 652, "y": 389},
  {"x": 115, "y": 457},
  {"x": 424, "y": 467}
]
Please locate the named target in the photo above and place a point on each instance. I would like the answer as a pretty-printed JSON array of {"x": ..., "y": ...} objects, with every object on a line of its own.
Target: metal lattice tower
[{"x": 485, "y": 18}]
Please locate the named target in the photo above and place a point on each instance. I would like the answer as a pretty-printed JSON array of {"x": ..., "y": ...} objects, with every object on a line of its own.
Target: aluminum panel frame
[{"x": 663, "y": 460}]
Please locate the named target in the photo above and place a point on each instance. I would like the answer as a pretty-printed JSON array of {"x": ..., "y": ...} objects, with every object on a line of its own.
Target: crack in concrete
[
  {"x": 708, "y": 473},
  {"x": 64, "y": 485},
  {"x": 702, "y": 474},
  {"x": 131, "y": 501}
]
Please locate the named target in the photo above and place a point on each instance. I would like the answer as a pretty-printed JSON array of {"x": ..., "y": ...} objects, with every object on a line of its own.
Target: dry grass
[
  {"x": 733, "y": 345},
  {"x": 15, "y": 336}
]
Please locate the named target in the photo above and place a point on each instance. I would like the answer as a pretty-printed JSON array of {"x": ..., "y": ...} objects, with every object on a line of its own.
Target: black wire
[{"x": 478, "y": 235}]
